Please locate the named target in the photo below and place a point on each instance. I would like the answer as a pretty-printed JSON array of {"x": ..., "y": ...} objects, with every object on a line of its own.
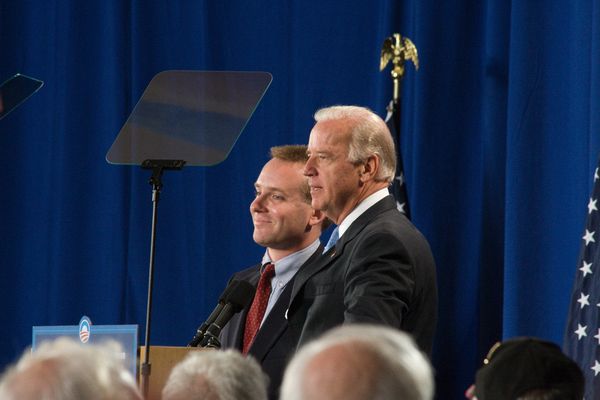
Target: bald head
[
  {"x": 337, "y": 365},
  {"x": 359, "y": 362}
]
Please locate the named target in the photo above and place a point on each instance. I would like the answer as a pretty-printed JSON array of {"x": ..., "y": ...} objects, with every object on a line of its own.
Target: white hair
[
  {"x": 369, "y": 136},
  {"x": 366, "y": 362},
  {"x": 65, "y": 369},
  {"x": 216, "y": 375}
]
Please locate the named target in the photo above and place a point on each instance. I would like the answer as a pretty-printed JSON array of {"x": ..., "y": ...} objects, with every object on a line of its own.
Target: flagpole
[{"x": 398, "y": 49}]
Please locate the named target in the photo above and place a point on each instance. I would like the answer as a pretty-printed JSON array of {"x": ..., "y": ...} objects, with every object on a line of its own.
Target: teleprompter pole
[{"x": 157, "y": 167}]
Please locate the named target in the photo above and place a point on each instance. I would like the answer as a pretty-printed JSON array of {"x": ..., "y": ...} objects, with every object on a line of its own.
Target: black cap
[{"x": 520, "y": 365}]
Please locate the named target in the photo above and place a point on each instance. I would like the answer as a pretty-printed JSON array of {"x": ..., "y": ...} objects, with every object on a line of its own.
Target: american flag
[
  {"x": 582, "y": 336},
  {"x": 398, "y": 188}
]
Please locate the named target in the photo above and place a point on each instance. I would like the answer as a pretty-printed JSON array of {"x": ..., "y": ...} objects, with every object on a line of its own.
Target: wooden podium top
[{"x": 162, "y": 360}]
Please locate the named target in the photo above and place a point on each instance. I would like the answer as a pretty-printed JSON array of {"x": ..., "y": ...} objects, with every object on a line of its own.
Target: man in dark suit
[
  {"x": 381, "y": 269},
  {"x": 289, "y": 228}
]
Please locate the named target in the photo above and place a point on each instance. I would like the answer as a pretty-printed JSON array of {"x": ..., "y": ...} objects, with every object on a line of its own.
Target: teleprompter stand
[{"x": 190, "y": 118}]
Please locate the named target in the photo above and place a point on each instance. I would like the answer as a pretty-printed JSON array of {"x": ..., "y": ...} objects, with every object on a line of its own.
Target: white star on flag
[
  {"x": 400, "y": 179},
  {"x": 592, "y": 205},
  {"x": 596, "y": 368},
  {"x": 583, "y": 300},
  {"x": 580, "y": 332},
  {"x": 582, "y": 347},
  {"x": 400, "y": 207},
  {"x": 586, "y": 268},
  {"x": 588, "y": 237}
]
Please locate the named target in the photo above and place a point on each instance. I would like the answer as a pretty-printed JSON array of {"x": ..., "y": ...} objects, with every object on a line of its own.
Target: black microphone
[
  {"x": 240, "y": 297},
  {"x": 213, "y": 315}
]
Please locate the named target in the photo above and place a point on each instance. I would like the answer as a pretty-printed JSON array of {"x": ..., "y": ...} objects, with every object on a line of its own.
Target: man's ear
[
  {"x": 369, "y": 168},
  {"x": 316, "y": 218}
]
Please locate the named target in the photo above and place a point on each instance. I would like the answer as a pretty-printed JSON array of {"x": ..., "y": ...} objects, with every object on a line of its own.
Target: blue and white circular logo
[{"x": 85, "y": 326}]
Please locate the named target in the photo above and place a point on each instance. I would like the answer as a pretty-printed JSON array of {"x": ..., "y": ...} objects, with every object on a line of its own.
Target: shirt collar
[
  {"x": 361, "y": 208},
  {"x": 286, "y": 268}
]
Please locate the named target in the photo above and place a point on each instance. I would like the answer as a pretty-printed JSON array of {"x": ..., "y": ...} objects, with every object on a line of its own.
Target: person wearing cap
[{"x": 527, "y": 368}]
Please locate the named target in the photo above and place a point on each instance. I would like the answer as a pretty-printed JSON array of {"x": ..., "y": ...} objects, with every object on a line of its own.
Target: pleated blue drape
[{"x": 501, "y": 132}]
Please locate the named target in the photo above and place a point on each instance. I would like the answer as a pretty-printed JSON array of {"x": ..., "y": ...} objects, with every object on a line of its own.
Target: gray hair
[
  {"x": 216, "y": 375},
  {"x": 369, "y": 136},
  {"x": 67, "y": 370},
  {"x": 373, "y": 362}
]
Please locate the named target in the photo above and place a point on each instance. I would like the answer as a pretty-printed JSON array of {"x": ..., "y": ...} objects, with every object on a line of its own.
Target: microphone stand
[{"x": 157, "y": 167}]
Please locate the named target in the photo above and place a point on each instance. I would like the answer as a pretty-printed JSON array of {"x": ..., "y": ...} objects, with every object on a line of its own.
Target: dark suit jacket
[
  {"x": 273, "y": 345},
  {"x": 380, "y": 271}
]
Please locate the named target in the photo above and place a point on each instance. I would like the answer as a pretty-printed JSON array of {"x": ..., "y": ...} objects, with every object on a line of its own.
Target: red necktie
[{"x": 258, "y": 307}]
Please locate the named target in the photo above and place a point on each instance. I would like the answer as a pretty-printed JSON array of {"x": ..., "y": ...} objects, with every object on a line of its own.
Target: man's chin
[
  {"x": 261, "y": 240},
  {"x": 317, "y": 204}
]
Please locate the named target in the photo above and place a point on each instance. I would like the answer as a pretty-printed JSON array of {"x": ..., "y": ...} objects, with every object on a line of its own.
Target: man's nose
[
  {"x": 309, "y": 169},
  {"x": 257, "y": 204}
]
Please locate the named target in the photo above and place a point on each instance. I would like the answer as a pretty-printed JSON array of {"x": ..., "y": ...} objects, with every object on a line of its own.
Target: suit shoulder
[{"x": 246, "y": 273}]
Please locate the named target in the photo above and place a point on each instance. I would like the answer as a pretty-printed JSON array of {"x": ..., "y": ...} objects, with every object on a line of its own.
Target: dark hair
[{"x": 546, "y": 394}]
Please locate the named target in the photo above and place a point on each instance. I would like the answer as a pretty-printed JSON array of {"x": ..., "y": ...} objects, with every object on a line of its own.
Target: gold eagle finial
[{"x": 398, "y": 49}]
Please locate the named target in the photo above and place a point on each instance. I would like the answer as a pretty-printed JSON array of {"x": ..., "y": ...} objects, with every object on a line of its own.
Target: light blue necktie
[{"x": 335, "y": 235}]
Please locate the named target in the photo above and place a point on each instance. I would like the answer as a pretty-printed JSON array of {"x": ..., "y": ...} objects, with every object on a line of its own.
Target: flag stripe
[{"x": 398, "y": 188}]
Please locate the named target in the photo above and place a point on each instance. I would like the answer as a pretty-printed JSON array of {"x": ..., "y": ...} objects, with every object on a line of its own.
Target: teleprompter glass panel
[
  {"x": 194, "y": 116},
  {"x": 15, "y": 91}
]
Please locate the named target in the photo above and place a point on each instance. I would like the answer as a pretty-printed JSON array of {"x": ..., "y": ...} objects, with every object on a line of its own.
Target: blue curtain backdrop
[{"x": 500, "y": 135}]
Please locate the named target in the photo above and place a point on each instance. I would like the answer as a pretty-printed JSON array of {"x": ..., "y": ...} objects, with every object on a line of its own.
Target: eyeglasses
[{"x": 491, "y": 353}]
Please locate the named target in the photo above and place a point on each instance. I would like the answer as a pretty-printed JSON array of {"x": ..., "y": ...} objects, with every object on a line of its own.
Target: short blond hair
[{"x": 294, "y": 153}]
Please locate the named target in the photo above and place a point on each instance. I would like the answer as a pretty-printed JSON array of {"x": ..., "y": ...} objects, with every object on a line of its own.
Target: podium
[{"x": 164, "y": 358}]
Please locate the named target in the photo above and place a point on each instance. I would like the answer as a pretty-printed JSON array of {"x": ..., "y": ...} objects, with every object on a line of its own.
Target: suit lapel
[
  {"x": 273, "y": 327},
  {"x": 385, "y": 204},
  {"x": 305, "y": 273},
  {"x": 276, "y": 322}
]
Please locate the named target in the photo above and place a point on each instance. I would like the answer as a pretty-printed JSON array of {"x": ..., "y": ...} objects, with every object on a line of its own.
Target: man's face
[
  {"x": 334, "y": 181},
  {"x": 279, "y": 211}
]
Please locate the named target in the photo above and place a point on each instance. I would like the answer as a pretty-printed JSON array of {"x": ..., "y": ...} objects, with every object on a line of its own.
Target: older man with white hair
[
  {"x": 359, "y": 362},
  {"x": 67, "y": 370},
  {"x": 380, "y": 269},
  {"x": 216, "y": 375}
]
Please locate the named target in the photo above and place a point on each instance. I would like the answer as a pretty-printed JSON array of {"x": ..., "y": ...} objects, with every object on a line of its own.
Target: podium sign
[{"x": 125, "y": 335}]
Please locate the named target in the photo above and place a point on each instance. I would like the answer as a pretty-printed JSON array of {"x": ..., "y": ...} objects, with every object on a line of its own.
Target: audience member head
[
  {"x": 283, "y": 218},
  {"x": 351, "y": 155},
  {"x": 66, "y": 370},
  {"x": 359, "y": 362},
  {"x": 528, "y": 369},
  {"x": 216, "y": 375}
]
